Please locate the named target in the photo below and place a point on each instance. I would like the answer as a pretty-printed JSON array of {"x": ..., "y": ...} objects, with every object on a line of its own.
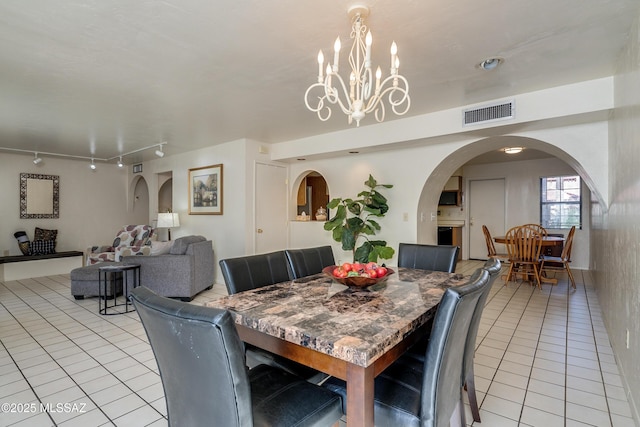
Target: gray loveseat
[{"x": 185, "y": 271}]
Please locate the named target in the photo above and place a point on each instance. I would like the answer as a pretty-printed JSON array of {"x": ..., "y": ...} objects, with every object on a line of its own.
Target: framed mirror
[{"x": 39, "y": 196}]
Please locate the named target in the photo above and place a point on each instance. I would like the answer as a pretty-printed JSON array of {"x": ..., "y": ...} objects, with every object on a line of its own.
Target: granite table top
[{"x": 355, "y": 325}]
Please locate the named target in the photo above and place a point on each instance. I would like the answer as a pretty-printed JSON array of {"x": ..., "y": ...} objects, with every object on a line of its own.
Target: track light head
[
  {"x": 36, "y": 160},
  {"x": 120, "y": 164},
  {"x": 159, "y": 152}
]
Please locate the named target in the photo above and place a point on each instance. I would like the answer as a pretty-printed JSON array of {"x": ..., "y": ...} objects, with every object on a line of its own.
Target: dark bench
[
  {"x": 7, "y": 272},
  {"x": 21, "y": 258}
]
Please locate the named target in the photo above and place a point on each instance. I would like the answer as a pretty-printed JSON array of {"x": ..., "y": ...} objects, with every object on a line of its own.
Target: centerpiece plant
[{"x": 354, "y": 221}]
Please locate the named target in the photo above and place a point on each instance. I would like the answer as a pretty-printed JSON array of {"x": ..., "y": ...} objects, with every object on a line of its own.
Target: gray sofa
[{"x": 185, "y": 271}]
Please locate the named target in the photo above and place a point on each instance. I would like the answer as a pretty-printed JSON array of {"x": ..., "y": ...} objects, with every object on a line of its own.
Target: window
[{"x": 560, "y": 202}]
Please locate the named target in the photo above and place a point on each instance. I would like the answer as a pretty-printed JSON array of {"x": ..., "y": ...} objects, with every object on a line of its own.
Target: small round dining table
[{"x": 546, "y": 240}]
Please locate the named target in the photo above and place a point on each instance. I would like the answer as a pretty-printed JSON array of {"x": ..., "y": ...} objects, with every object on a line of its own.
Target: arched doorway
[
  {"x": 139, "y": 200},
  {"x": 521, "y": 188}
]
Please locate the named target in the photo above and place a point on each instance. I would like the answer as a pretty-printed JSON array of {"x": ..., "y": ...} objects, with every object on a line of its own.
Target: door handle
[{"x": 259, "y": 230}]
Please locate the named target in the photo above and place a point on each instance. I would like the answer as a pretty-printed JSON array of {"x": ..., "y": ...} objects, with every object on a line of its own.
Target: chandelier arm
[
  {"x": 379, "y": 112},
  {"x": 320, "y": 105},
  {"x": 403, "y": 90},
  {"x": 333, "y": 94}
]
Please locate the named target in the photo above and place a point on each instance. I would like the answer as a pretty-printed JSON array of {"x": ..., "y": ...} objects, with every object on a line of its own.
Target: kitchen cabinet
[
  {"x": 451, "y": 193},
  {"x": 453, "y": 184}
]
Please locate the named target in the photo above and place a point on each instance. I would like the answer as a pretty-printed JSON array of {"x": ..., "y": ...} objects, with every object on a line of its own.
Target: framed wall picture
[
  {"x": 205, "y": 190},
  {"x": 39, "y": 196}
]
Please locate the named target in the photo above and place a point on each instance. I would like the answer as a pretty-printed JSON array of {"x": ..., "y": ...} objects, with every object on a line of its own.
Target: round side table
[{"x": 107, "y": 276}]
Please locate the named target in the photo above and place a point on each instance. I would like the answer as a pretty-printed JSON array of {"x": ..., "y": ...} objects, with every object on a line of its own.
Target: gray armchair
[{"x": 185, "y": 271}]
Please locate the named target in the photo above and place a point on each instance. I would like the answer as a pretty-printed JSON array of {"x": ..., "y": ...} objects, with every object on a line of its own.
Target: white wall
[
  {"x": 231, "y": 232},
  {"x": 93, "y": 204},
  {"x": 616, "y": 228}
]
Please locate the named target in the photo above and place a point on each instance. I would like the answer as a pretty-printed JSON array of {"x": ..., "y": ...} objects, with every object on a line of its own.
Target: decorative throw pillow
[
  {"x": 42, "y": 247},
  {"x": 23, "y": 241},
  {"x": 42, "y": 234},
  {"x": 160, "y": 248}
]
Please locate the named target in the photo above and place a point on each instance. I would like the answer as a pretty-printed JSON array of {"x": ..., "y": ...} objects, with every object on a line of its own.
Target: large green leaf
[
  {"x": 371, "y": 182},
  {"x": 373, "y": 224},
  {"x": 348, "y": 239},
  {"x": 337, "y": 233},
  {"x": 362, "y": 253},
  {"x": 334, "y": 203}
]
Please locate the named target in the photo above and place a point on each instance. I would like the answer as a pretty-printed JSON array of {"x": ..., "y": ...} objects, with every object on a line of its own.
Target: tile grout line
[{"x": 74, "y": 343}]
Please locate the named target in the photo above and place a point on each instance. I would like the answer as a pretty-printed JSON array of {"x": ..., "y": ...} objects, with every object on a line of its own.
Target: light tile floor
[{"x": 543, "y": 359}]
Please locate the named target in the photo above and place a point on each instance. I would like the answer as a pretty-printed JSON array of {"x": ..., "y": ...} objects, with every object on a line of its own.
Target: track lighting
[{"x": 37, "y": 160}]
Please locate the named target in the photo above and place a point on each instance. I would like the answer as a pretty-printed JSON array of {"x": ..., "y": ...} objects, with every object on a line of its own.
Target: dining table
[
  {"x": 546, "y": 240},
  {"x": 347, "y": 332}
]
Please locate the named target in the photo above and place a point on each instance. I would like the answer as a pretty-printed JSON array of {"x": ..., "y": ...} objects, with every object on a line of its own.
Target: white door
[
  {"x": 271, "y": 208},
  {"x": 486, "y": 207}
]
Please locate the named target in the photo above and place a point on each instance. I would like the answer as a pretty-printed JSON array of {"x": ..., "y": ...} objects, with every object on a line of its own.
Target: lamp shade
[{"x": 168, "y": 220}]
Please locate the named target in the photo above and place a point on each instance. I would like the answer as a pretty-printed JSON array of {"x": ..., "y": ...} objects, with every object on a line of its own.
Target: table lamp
[{"x": 168, "y": 220}]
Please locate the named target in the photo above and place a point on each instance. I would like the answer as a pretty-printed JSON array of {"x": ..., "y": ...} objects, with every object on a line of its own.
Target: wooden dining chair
[
  {"x": 491, "y": 247},
  {"x": 554, "y": 263},
  {"x": 523, "y": 246},
  {"x": 201, "y": 362},
  {"x": 537, "y": 228}
]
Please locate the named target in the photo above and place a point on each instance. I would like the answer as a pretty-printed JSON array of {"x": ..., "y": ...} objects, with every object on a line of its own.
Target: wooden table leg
[{"x": 360, "y": 383}]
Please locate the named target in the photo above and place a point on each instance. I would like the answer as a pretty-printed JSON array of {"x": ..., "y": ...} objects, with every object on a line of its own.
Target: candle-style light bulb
[
  {"x": 394, "y": 51},
  {"x": 320, "y": 62},
  {"x": 368, "y": 40},
  {"x": 378, "y": 75},
  {"x": 336, "y": 53}
]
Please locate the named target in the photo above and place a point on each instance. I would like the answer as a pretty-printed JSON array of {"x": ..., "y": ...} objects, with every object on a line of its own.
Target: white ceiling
[{"x": 99, "y": 78}]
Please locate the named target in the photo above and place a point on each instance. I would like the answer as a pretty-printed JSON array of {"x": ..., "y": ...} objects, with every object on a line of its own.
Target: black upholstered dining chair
[
  {"x": 308, "y": 261},
  {"x": 411, "y": 393},
  {"x": 493, "y": 267},
  {"x": 256, "y": 271},
  {"x": 205, "y": 379},
  {"x": 428, "y": 257}
]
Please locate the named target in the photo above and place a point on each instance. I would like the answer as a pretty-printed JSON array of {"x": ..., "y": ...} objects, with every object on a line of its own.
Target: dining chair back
[
  {"x": 426, "y": 394},
  {"x": 428, "y": 257},
  {"x": 550, "y": 263},
  {"x": 493, "y": 267},
  {"x": 537, "y": 228},
  {"x": 491, "y": 247},
  {"x": 256, "y": 271},
  {"x": 308, "y": 261},
  {"x": 523, "y": 246},
  {"x": 201, "y": 362}
]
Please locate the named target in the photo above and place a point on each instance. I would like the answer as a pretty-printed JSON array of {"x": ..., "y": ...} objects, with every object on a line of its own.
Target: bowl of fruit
[{"x": 358, "y": 275}]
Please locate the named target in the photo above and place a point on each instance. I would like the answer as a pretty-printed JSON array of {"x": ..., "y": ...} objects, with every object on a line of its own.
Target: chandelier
[{"x": 363, "y": 94}]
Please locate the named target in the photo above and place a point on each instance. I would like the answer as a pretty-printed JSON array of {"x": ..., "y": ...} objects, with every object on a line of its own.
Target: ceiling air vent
[{"x": 489, "y": 113}]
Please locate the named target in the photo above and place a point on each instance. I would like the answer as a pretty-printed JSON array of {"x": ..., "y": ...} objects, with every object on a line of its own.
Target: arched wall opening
[
  {"x": 310, "y": 192},
  {"x": 138, "y": 200},
  {"x": 427, "y": 228}
]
